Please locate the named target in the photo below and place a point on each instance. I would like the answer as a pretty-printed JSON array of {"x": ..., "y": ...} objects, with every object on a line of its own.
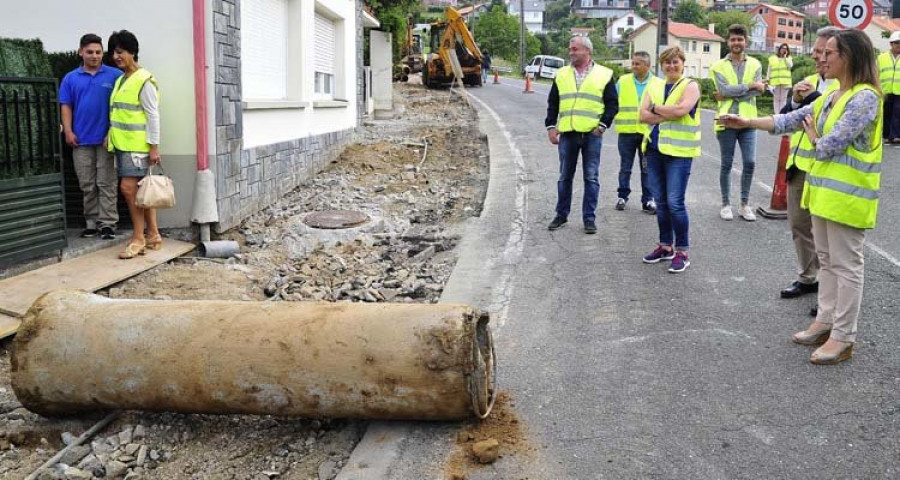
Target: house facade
[
  {"x": 601, "y": 8},
  {"x": 534, "y": 14},
  {"x": 701, "y": 46},
  {"x": 619, "y": 29},
  {"x": 783, "y": 25},
  {"x": 757, "y": 42},
  {"x": 276, "y": 94},
  {"x": 879, "y": 29}
]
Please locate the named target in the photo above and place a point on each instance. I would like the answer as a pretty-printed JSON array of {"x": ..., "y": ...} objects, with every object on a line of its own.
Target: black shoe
[
  {"x": 107, "y": 233},
  {"x": 590, "y": 227},
  {"x": 814, "y": 312},
  {"x": 797, "y": 289},
  {"x": 89, "y": 232},
  {"x": 556, "y": 223},
  {"x": 649, "y": 207}
]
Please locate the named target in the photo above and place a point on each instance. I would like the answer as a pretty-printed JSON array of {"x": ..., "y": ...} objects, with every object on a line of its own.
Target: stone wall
[{"x": 248, "y": 180}]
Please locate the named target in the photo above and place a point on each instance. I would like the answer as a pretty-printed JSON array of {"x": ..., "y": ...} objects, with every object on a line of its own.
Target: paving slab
[{"x": 89, "y": 272}]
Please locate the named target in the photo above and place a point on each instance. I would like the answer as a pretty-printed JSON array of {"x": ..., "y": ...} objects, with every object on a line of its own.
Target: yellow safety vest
[
  {"x": 677, "y": 138},
  {"x": 844, "y": 188},
  {"x": 802, "y": 152},
  {"x": 580, "y": 108},
  {"x": 747, "y": 108},
  {"x": 890, "y": 80},
  {"x": 779, "y": 73},
  {"x": 127, "y": 120},
  {"x": 628, "y": 118}
]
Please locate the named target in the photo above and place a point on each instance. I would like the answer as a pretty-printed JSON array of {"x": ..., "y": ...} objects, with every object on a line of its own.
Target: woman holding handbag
[{"x": 134, "y": 137}]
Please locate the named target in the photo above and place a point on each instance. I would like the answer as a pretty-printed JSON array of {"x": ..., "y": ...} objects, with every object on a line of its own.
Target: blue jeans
[
  {"x": 629, "y": 144},
  {"x": 570, "y": 144},
  {"x": 668, "y": 183},
  {"x": 746, "y": 137}
]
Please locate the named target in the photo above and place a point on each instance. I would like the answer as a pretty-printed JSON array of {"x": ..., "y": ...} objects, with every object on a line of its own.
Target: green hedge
[{"x": 23, "y": 58}]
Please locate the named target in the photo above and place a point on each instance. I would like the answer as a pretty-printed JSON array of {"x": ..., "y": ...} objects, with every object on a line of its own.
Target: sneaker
[
  {"x": 107, "y": 233},
  {"x": 556, "y": 223},
  {"x": 725, "y": 213},
  {"x": 89, "y": 232},
  {"x": 620, "y": 204},
  {"x": 649, "y": 207},
  {"x": 590, "y": 227},
  {"x": 680, "y": 262},
  {"x": 746, "y": 213},
  {"x": 659, "y": 254}
]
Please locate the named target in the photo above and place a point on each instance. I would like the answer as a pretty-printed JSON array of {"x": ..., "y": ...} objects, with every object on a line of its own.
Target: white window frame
[{"x": 264, "y": 45}]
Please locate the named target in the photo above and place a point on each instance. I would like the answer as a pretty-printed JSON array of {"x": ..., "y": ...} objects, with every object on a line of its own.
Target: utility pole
[
  {"x": 662, "y": 33},
  {"x": 521, "y": 35}
]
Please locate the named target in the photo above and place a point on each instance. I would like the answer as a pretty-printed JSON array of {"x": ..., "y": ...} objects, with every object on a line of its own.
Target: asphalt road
[{"x": 621, "y": 370}]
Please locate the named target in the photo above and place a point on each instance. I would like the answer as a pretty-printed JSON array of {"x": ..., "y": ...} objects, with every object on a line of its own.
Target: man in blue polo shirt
[{"x": 84, "y": 95}]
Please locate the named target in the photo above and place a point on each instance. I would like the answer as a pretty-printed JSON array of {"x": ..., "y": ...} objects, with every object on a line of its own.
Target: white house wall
[{"x": 164, "y": 30}]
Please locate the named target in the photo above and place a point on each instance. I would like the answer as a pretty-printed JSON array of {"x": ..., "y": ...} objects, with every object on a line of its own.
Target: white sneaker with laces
[
  {"x": 746, "y": 213},
  {"x": 725, "y": 213}
]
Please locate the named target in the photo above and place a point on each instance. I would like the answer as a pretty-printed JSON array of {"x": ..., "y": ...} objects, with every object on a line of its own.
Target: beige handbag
[{"x": 155, "y": 191}]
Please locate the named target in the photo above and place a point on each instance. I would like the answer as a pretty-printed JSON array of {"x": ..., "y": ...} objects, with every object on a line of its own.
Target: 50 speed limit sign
[{"x": 850, "y": 13}]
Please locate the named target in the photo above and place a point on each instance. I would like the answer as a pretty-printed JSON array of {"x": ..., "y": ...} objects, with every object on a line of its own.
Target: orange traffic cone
[
  {"x": 528, "y": 88},
  {"x": 778, "y": 205},
  {"x": 496, "y": 76}
]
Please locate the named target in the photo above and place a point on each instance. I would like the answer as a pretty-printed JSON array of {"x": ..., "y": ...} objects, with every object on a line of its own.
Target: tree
[
  {"x": 555, "y": 11},
  {"x": 499, "y": 33},
  {"x": 723, "y": 20},
  {"x": 689, "y": 11}
]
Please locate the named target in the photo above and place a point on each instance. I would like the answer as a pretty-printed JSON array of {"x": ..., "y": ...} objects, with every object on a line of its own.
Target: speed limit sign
[{"x": 850, "y": 13}]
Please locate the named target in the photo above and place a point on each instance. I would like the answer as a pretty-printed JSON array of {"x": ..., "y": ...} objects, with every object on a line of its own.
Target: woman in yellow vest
[
  {"x": 779, "y": 75},
  {"x": 842, "y": 185},
  {"x": 134, "y": 137},
  {"x": 670, "y": 108}
]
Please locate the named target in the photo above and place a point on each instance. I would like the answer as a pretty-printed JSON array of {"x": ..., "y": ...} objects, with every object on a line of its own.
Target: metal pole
[
  {"x": 662, "y": 33},
  {"x": 521, "y": 35}
]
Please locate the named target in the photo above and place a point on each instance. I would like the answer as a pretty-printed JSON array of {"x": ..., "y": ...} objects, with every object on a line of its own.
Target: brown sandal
[{"x": 132, "y": 250}]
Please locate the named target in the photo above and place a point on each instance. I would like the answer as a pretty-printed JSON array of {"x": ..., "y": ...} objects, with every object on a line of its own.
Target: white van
[{"x": 543, "y": 66}]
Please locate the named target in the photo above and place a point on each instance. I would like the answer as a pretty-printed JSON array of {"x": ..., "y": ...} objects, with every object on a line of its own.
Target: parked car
[{"x": 543, "y": 66}]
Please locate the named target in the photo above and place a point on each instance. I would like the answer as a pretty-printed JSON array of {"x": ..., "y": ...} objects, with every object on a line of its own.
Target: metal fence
[{"x": 29, "y": 127}]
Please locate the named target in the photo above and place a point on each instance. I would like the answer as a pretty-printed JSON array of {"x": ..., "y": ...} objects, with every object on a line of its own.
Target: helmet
[{"x": 895, "y": 37}]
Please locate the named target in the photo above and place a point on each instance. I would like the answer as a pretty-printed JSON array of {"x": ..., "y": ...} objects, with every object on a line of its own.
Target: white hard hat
[{"x": 895, "y": 37}]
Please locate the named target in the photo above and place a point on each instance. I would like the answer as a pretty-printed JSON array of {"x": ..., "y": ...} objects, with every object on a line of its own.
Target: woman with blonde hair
[
  {"x": 670, "y": 107},
  {"x": 842, "y": 134}
]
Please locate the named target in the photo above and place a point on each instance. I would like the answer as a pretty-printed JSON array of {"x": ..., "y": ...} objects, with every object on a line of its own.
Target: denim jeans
[
  {"x": 629, "y": 144},
  {"x": 668, "y": 182},
  {"x": 570, "y": 144},
  {"x": 746, "y": 137}
]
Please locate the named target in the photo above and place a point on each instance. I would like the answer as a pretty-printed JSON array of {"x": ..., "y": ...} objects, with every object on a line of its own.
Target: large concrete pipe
[{"x": 78, "y": 352}]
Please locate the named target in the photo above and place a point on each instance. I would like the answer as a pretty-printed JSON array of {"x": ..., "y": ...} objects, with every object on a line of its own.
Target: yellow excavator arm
[
  {"x": 455, "y": 33},
  {"x": 447, "y": 36}
]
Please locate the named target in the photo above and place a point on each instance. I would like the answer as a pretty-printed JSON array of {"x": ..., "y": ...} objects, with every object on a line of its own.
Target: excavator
[
  {"x": 446, "y": 36},
  {"x": 412, "y": 60}
]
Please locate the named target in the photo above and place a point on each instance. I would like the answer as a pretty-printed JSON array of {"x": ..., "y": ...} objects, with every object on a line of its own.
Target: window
[
  {"x": 694, "y": 46},
  {"x": 782, "y": 21},
  {"x": 324, "y": 56},
  {"x": 620, "y": 31},
  {"x": 790, "y": 35},
  {"x": 705, "y": 48},
  {"x": 630, "y": 21},
  {"x": 264, "y": 34},
  {"x": 780, "y": 34},
  {"x": 684, "y": 45},
  {"x": 790, "y": 23}
]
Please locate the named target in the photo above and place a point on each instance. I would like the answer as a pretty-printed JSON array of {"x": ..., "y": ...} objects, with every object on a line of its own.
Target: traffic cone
[
  {"x": 496, "y": 76},
  {"x": 778, "y": 205},
  {"x": 528, "y": 88}
]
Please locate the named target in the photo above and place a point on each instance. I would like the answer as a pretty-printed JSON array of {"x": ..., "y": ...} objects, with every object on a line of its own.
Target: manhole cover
[{"x": 335, "y": 219}]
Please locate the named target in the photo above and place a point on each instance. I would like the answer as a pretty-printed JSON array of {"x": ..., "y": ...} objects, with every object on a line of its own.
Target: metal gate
[{"x": 32, "y": 210}]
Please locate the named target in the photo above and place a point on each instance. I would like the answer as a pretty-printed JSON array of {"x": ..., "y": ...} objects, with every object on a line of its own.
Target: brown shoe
[
  {"x": 820, "y": 358},
  {"x": 132, "y": 250},
  {"x": 155, "y": 243},
  {"x": 814, "y": 338}
]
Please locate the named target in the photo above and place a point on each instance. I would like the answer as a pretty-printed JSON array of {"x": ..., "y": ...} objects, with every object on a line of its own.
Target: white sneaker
[
  {"x": 746, "y": 213},
  {"x": 725, "y": 213}
]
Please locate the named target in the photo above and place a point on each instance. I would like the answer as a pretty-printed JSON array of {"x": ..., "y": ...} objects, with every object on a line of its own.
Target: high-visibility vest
[
  {"x": 746, "y": 108},
  {"x": 677, "y": 138},
  {"x": 889, "y": 74},
  {"x": 580, "y": 108},
  {"x": 779, "y": 73},
  {"x": 802, "y": 151},
  {"x": 844, "y": 188},
  {"x": 127, "y": 120},
  {"x": 628, "y": 118}
]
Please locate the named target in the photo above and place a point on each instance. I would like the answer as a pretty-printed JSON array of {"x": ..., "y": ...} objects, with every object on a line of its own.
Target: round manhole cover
[{"x": 335, "y": 219}]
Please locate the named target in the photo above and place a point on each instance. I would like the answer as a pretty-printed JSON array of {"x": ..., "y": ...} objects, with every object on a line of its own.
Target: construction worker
[
  {"x": 889, "y": 69},
  {"x": 631, "y": 88},
  {"x": 798, "y": 163},
  {"x": 738, "y": 79},
  {"x": 779, "y": 75},
  {"x": 582, "y": 104}
]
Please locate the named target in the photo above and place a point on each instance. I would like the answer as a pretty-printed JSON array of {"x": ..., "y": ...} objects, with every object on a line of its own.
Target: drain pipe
[{"x": 204, "y": 211}]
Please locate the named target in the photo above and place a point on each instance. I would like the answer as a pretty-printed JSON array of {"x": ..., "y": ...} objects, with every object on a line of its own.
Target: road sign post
[{"x": 855, "y": 14}]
